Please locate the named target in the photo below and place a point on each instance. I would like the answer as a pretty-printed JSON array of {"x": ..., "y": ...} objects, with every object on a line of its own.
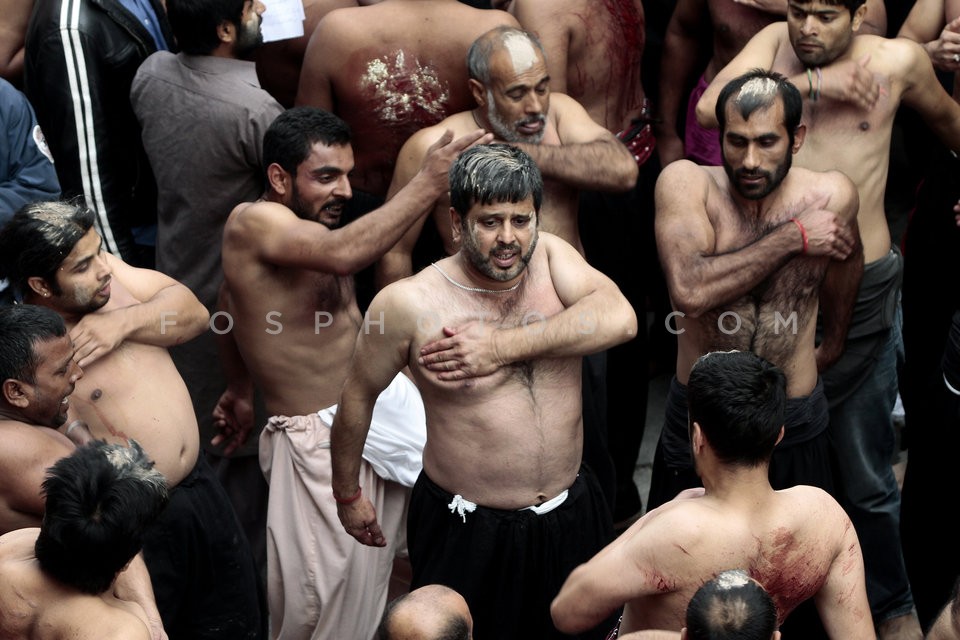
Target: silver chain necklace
[{"x": 473, "y": 289}]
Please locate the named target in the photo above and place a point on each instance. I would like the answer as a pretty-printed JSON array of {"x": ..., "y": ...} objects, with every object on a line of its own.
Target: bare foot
[{"x": 905, "y": 627}]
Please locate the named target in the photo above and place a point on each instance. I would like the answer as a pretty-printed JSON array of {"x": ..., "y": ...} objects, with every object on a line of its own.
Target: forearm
[
  {"x": 133, "y": 584},
  {"x": 171, "y": 317},
  {"x": 596, "y": 322},
  {"x": 838, "y": 295},
  {"x": 676, "y": 70},
  {"x": 576, "y": 608},
  {"x": 231, "y": 362},
  {"x": 714, "y": 280},
  {"x": 347, "y": 437},
  {"x": 601, "y": 165}
]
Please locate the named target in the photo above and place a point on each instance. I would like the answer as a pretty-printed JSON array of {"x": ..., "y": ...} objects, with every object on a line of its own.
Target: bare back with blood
[{"x": 389, "y": 70}]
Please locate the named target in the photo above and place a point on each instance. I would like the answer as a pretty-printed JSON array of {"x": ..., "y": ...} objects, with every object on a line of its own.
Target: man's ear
[
  {"x": 455, "y": 228},
  {"x": 696, "y": 436},
  {"x": 226, "y": 31},
  {"x": 775, "y": 636},
  {"x": 16, "y": 393},
  {"x": 783, "y": 430},
  {"x": 280, "y": 181},
  {"x": 798, "y": 136},
  {"x": 478, "y": 91},
  {"x": 683, "y": 633},
  {"x": 39, "y": 286},
  {"x": 858, "y": 17}
]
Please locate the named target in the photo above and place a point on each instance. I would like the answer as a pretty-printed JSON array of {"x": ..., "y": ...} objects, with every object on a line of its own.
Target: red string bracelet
[
  {"x": 349, "y": 500},
  {"x": 803, "y": 233}
]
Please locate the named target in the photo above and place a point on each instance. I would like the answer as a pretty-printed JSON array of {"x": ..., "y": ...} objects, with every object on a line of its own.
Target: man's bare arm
[
  {"x": 377, "y": 358},
  {"x": 168, "y": 314},
  {"x": 838, "y": 291},
  {"x": 927, "y": 24},
  {"x": 651, "y": 634},
  {"x": 29, "y": 453},
  {"x": 397, "y": 262},
  {"x": 13, "y": 30},
  {"x": 842, "y": 600},
  {"x": 344, "y": 251},
  {"x": 874, "y": 20},
  {"x": 699, "y": 278},
  {"x": 651, "y": 549},
  {"x": 546, "y": 20},
  {"x": 688, "y": 33},
  {"x": 315, "y": 87},
  {"x": 925, "y": 95},
  {"x": 233, "y": 414},
  {"x": 758, "y": 53},
  {"x": 596, "y": 316},
  {"x": 589, "y": 156},
  {"x": 133, "y": 584}
]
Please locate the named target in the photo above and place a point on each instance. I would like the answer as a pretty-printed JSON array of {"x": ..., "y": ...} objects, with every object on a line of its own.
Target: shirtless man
[
  {"x": 38, "y": 375},
  {"x": 60, "y": 581},
  {"x": 594, "y": 52},
  {"x": 296, "y": 344},
  {"x": 493, "y": 336},
  {"x": 853, "y": 88},
  {"x": 797, "y": 542},
  {"x": 279, "y": 62},
  {"x": 432, "y": 612},
  {"x": 751, "y": 251},
  {"x": 511, "y": 88},
  {"x": 390, "y": 69},
  {"x": 121, "y": 319},
  {"x": 729, "y": 25},
  {"x": 732, "y": 605}
]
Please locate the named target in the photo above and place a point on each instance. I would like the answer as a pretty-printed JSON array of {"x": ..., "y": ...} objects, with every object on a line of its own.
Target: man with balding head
[{"x": 432, "y": 612}]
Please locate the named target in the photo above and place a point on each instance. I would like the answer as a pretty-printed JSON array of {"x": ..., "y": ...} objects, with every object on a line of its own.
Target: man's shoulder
[
  {"x": 803, "y": 182},
  {"x": 888, "y": 56},
  {"x": 460, "y": 123},
  {"x": 24, "y": 441},
  {"x": 250, "y": 221},
  {"x": 686, "y": 172}
]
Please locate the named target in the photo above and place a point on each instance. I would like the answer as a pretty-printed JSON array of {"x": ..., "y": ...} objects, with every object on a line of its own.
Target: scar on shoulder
[{"x": 96, "y": 394}]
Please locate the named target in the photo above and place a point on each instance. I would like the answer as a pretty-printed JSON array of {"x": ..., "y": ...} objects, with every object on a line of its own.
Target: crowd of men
[{"x": 349, "y": 335}]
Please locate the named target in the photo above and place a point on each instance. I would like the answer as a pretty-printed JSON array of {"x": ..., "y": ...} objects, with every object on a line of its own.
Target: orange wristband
[
  {"x": 803, "y": 233},
  {"x": 349, "y": 500}
]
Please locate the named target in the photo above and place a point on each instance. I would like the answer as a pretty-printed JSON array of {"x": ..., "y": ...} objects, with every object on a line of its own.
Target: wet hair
[
  {"x": 479, "y": 53},
  {"x": 757, "y": 90},
  {"x": 195, "y": 22},
  {"x": 851, "y": 5},
  {"x": 731, "y": 607},
  {"x": 293, "y": 133},
  {"x": 99, "y": 502},
  {"x": 22, "y": 327},
  {"x": 455, "y": 627},
  {"x": 38, "y": 238},
  {"x": 491, "y": 173},
  {"x": 739, "y": 401}
]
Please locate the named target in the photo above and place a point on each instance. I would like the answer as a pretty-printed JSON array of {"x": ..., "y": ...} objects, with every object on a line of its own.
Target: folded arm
[
  {"x": 589, "y": 156},
  {"x": 167, "y": 314}
]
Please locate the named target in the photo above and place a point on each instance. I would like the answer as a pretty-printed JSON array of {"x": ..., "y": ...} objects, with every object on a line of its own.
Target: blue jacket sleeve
[{"x": 26, "y": 170}]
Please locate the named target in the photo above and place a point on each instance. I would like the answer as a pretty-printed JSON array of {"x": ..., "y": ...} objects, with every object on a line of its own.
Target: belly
[{"x": 137, "y": 393}]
